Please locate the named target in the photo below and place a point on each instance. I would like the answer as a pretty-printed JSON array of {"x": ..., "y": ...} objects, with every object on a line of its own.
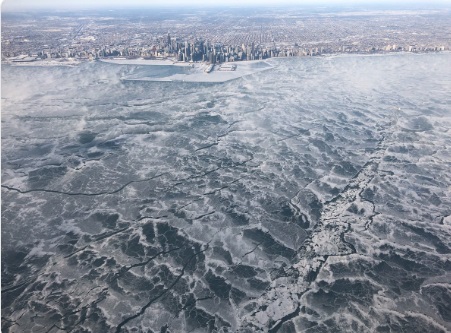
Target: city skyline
[{"x": 216, "y": 36}]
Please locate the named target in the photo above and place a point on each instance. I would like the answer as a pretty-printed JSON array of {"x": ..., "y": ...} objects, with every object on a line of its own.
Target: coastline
[
  {"x": 169, "y": 62},
  {"x": 70, "y": 62},
  {"x": 146, "y": 62}
]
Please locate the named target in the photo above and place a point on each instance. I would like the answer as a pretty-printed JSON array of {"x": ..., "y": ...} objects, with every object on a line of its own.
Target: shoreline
[
  {"x": 72, "y": 62},
  {"x": 45, "y": 63},
  {"x": 146, "y": 62},
  {"x": 168, "y": 62}
]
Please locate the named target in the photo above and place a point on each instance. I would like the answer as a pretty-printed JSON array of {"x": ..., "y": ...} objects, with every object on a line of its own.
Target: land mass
[{"x": 220, "y": 35}]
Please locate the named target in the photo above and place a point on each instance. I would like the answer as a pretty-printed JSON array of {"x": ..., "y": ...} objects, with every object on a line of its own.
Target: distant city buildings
[{"x": 221, "y": 37}]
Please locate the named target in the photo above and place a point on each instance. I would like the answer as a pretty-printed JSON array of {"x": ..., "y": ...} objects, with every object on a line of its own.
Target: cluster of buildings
[
  {"x": 203, "y": 51},
  {"x": 200, "y": 50},
  {"x": 220, "y": 38}
]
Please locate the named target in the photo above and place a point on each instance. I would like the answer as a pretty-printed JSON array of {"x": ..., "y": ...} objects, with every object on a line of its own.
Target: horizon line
[{"x": 18, "y": 6}]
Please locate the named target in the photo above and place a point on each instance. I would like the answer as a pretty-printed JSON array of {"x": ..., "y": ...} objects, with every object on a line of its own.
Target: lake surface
[{"x": 312, "y": 197}]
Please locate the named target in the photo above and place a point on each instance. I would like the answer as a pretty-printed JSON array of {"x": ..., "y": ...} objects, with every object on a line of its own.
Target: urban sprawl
[{"x": 218, "y": 36}]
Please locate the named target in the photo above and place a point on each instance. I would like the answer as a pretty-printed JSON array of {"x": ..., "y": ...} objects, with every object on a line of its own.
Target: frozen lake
[{"x": 303, "y": 194}]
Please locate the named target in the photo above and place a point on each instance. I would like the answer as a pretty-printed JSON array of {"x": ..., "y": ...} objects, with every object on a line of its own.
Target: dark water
[{"x": 314, "y": 197}]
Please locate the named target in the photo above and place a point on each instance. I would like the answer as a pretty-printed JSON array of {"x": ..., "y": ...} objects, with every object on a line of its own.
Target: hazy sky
[{"x": 57, "y": 4}]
